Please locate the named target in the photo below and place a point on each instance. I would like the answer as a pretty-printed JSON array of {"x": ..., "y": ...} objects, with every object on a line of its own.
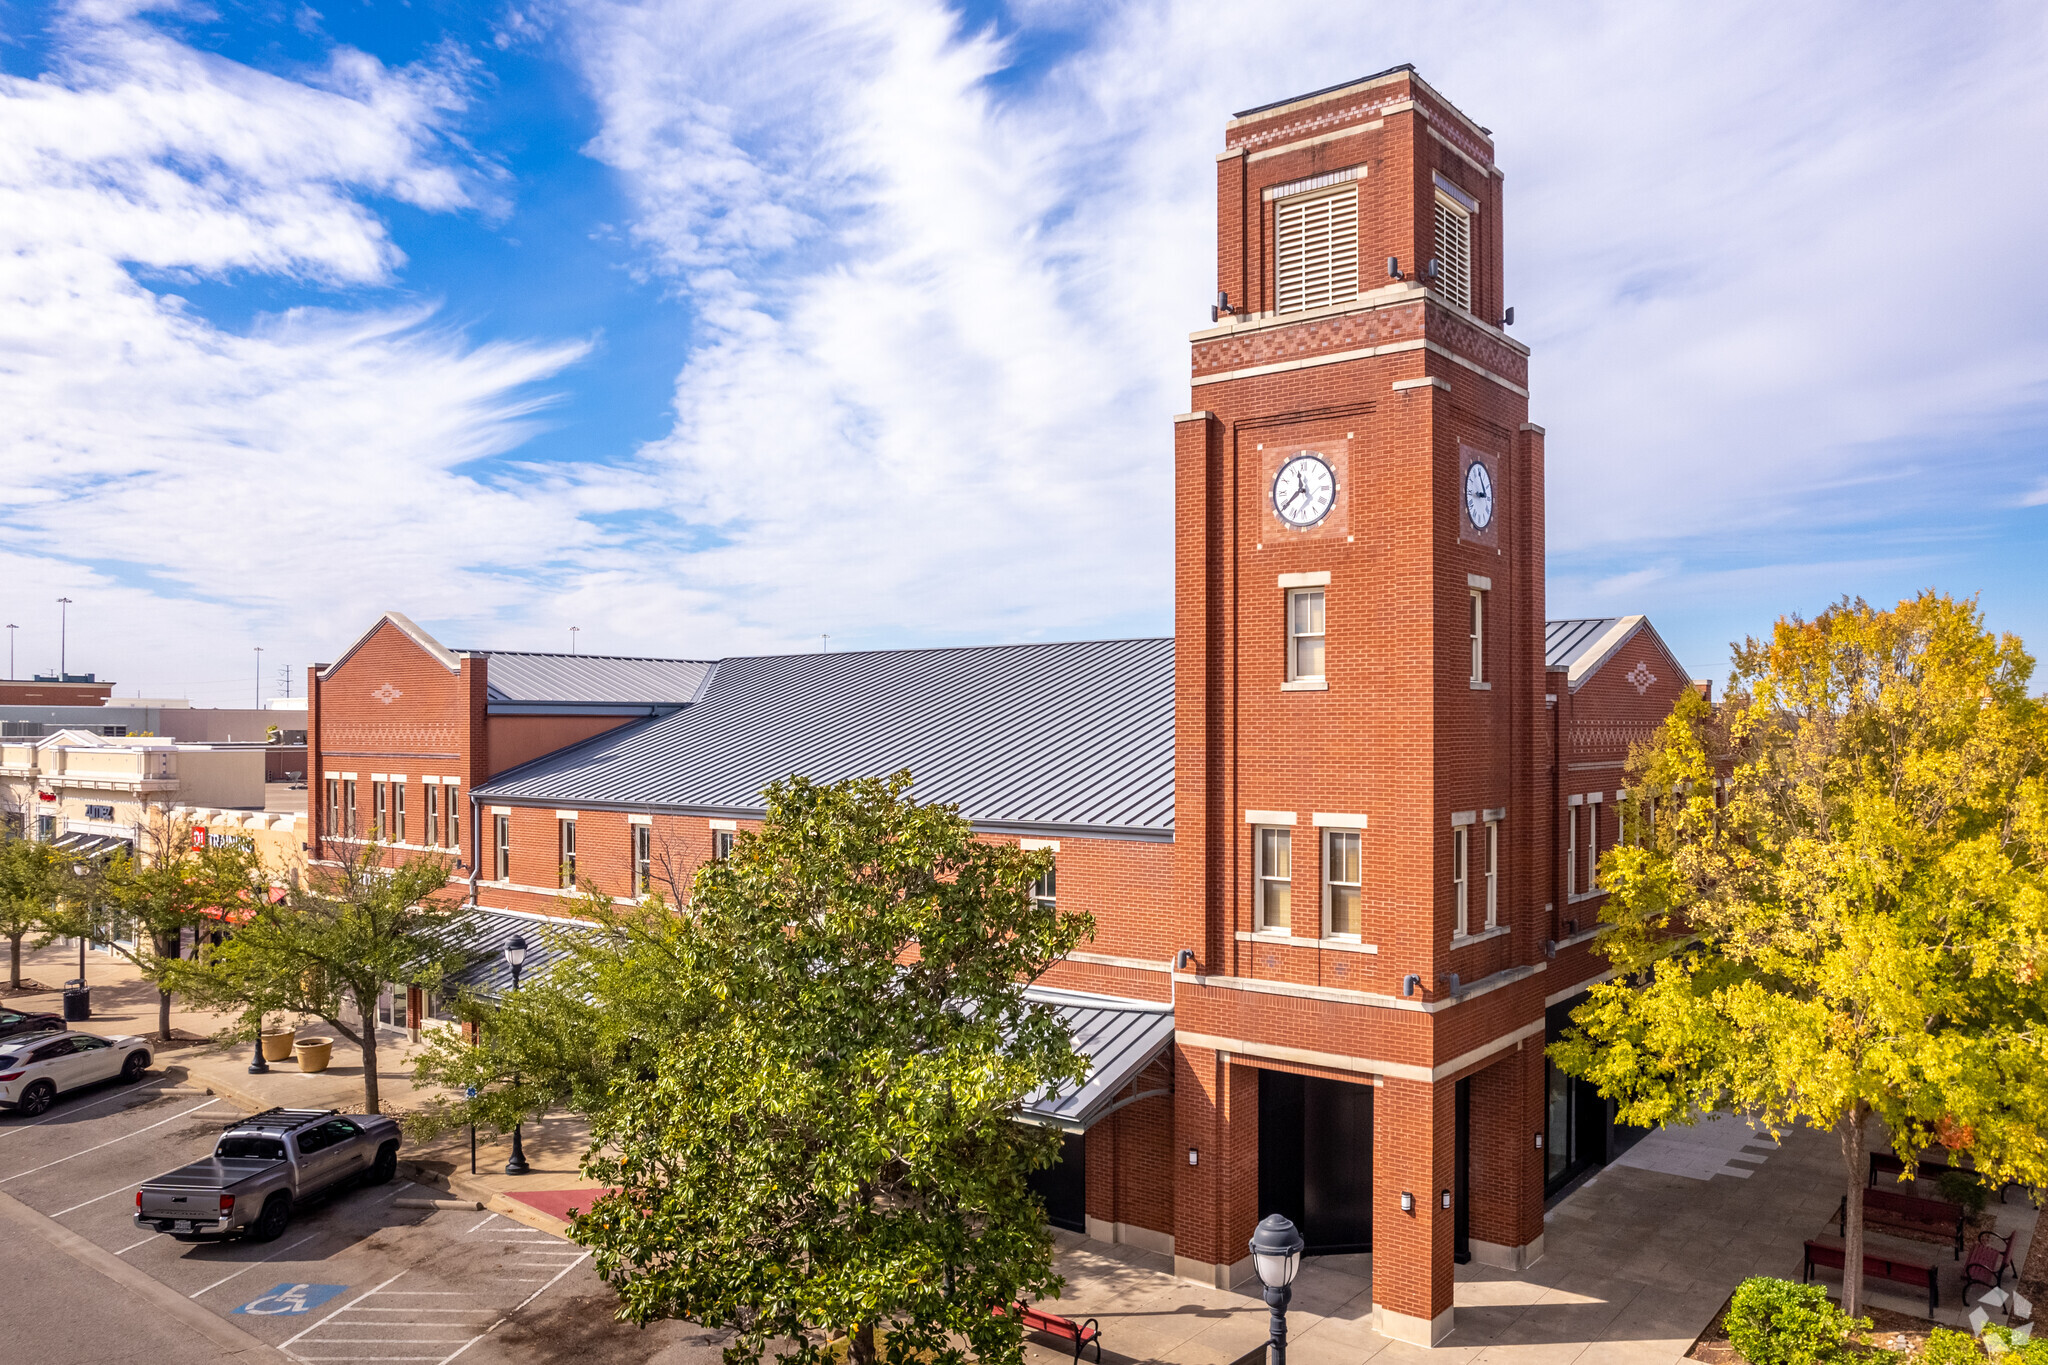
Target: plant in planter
[
  {"x": 1964, "y": 1188},
  {"x": 1777, "y": 1322}
]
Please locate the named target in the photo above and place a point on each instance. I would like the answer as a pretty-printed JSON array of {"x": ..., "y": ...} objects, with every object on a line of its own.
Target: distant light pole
[
  {"x": 515, "y": 958},
  {"x": 11, "y": 628},
  {"x": 63, "y": 636},
  {"x": 259, "y": 677},
  {"x": 572, "y": 638},
  {"x": 1276, "y": 1256}
]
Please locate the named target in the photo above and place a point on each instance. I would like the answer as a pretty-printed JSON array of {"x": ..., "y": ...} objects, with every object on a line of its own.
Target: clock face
[
  {"x": 1479, "y": 496},
  {"x": 1304, "y": 490}
]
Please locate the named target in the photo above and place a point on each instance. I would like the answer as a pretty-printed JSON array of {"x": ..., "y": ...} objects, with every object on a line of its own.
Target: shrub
[
  {"x": 2033, "y": 1351},
  {"x": 1946, "y": 1347},
  {"x": 1777, "y": 1322},
  {"x": 1962, "y": 1187}
]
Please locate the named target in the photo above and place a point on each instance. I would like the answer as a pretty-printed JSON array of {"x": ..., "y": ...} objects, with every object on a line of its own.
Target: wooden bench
[
  {"x": 1989, "y": 1260},
  {"x": 1893, "y": 1211},
  {"x": 1877, "y": 1267},
  {"x": 1928, "y": 1170},
  {"x": 1081, "y": 1334}
]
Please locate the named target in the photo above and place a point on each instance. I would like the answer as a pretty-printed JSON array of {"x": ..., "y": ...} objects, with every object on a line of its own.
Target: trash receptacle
[{"x": 78, "y": 1003}]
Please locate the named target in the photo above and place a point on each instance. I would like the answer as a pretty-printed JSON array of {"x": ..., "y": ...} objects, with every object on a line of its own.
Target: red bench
[
  {"x": 1989, "y": 1260},
  {"x": 1928, "y": 1170},
  {"x": 1082, "y": 1334},
  {"x": 1907, "y": 1212},
  {"x": 1876, "y": 1267}
]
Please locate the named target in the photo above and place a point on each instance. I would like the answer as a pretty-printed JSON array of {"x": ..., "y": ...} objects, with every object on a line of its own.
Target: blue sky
[{"x": 710, "y": 329}]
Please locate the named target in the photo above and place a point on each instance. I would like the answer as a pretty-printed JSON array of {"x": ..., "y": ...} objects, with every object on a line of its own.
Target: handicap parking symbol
[{"x": 291, "y": 1298}]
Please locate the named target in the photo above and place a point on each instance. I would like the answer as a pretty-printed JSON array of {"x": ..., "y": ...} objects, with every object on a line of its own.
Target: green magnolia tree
[
  {"x": 804, "y": 1090},
  {"x": 1852, "y": 923},
  {"x": 32, "y": 889},
  {"x": 329, "y": 948},
  {"x": 151, "y": 899}
]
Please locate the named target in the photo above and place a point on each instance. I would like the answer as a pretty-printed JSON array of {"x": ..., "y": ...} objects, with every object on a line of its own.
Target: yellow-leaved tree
[{"x": 1832, "y": 906}]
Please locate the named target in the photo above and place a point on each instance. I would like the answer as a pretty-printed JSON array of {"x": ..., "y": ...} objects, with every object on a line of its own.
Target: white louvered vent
[
  {"x": 1317, "y": 239},
  {"x": 1454, "y": 253}
]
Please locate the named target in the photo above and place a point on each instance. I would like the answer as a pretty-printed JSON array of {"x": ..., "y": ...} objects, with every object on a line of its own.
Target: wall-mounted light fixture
[
  {"x": 1393, "y": 267},
  {"x": 1192, "y": 1155},
  {"x": 1407, "y": 1202},
  {"x": 1539, "y": 1142},
  {"x": 1445, "y": 1199},
  {"x": 1410, "y": 982},
  {"x": 1507, "y": 319}
]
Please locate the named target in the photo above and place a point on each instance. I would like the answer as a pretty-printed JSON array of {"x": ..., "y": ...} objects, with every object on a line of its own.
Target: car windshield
[{"x": 251, "y": 1148}]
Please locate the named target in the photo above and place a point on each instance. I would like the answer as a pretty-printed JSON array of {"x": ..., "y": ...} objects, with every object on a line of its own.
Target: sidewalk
[{"x": 124, "y": 1003}]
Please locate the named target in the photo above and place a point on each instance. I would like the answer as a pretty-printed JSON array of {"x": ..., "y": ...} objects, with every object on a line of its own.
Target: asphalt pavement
[{"x": 354, "y": 1278}]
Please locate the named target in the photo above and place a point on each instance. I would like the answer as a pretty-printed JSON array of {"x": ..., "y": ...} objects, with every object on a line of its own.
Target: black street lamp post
[
  {"x": 257, "y": 1066},
  {"x": 1276, "y": 1256},
  {"x": 515, "y": 958}
]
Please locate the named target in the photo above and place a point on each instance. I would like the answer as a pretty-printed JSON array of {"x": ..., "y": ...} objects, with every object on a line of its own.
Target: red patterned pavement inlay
[{"x": 559, "y": 1203}]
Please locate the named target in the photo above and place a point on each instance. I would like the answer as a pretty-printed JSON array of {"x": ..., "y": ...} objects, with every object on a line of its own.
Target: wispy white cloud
[
  {"x": 1774, "y": 262},
  {"x": 942, "y": 331},
  {"x": 205, "y": 487}
]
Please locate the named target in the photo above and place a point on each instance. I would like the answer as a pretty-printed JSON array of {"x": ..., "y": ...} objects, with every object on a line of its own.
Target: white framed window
[
  {"x": 1305, "y": 634},
  {"x": 568, "y": 852},
  {"x": 1492, "y": 873},
  {"x": 643, "y": 860},
  {"x": 1454, "y": 251},
  {"x": 454, "y": 813},
  {"x": 1342, "y": 884},
  {"x": 721, "y": 845},
  {"x": 432, "y": 810},
  {"x": 1478, "y": 633},
  {"x": 1592, "y": 848},
  {"x": 348, "y": 808},
  {"x": 501, "y": 840},
  {"x": 397, "y": 812},
  {"x": 1045, "y": 891},
  {"x": 1316, "y": 249},
  {"x": 1461, "y": 849},
  {"x": 335, "y": 825},
  {"x": 1571, "y": 851},
  {"x": 380, "y": 798},
  {"x": 1274, "y": 877}
]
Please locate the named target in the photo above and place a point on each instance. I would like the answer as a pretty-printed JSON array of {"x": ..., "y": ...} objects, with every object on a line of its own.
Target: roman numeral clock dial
[{"x": 1304, "y": 490}]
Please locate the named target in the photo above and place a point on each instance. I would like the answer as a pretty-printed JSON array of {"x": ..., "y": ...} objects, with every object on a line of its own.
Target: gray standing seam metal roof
[
  {"x": 592, "y": 678},
  {"x": 1075, "y": 737},
  {"x": 1564, "y": 641},
  {"x": 486, "y": 932},
  {"x": 1119, "y": 1037}
]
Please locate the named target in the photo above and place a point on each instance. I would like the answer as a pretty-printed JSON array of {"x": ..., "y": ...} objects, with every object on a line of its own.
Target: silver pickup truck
[{"x": 265, "y": 1165}]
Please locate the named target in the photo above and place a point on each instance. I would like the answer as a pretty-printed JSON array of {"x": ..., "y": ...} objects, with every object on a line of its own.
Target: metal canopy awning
[
  {"x": 89, "y": 845},
  {"x": 1119, "y": 1037}
]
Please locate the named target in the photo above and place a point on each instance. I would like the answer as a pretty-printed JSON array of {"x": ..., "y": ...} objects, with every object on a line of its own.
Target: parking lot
[{"x": 354, "y": 1278}]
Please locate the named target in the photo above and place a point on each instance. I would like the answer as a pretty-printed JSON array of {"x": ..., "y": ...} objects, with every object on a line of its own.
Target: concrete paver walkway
[{"x": 1636, "y": 1263}]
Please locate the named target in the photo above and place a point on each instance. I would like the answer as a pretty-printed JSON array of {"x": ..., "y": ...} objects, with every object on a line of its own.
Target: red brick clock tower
[{"x": 1361, "y": 801}]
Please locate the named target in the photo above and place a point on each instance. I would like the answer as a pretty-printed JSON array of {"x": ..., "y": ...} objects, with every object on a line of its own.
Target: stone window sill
[
  {"x": 1306, "y": 685},
  {"x": 1334, "y": 945},
  {"x": 1465, "y": 940}
]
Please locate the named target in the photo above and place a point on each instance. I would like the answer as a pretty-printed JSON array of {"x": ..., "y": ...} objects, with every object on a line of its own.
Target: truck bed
[{"x": 171, "y": 1195}]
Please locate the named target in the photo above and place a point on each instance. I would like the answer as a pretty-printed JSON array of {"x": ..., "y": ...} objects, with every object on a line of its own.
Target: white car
[{"x": 36, "y": 1068}]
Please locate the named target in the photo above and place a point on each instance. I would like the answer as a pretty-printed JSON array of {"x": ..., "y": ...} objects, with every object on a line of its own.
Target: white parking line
[
  {"x": 286, "y": 1347},
  {"x": 551, "y": 1283},
  {"x": 132, "y": 1245},
  {"x": 253, "y": 1264},
  {"x": 109, "y": 1142},
  {"x": 70, "y": 1111},
  {"x": 486, "y": 1218}
]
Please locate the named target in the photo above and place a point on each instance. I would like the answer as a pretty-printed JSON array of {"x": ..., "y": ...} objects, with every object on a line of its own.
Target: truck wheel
[
  {"x": 384, "y": 1167},
  {"x": 132, "y": 1069},
  {"x": 276, "y": 1216},
  {"x": 36, "y": 1098}
]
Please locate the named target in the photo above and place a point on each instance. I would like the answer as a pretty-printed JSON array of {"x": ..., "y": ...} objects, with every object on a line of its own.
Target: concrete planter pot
[
  {"x": 315, "y": 1053},
  {"x": 277, "y": 1046}
]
